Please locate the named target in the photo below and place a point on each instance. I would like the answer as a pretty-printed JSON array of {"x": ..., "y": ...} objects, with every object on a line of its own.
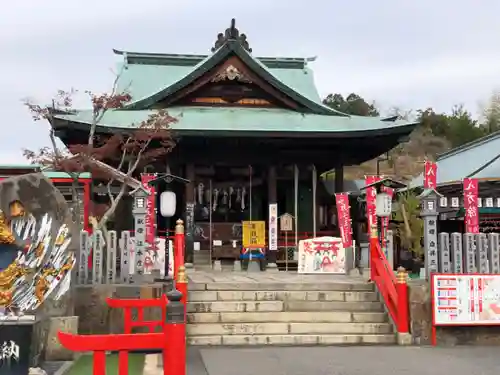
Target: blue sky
[{"x": 409, "y": 54}]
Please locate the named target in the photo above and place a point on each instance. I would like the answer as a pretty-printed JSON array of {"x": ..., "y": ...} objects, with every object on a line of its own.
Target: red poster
[
  {"x": 371, "y": 196},
  {"x": 344, "y": 219},
  {"x": 385, "y": 220},
  {"x": 151, "y": 208},
  {"x": 430, "y": 175},
  {"x": 471, "y": 192}
]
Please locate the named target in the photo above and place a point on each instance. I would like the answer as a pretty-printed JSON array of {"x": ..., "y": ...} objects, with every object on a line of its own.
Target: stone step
[
  {"x": 300, "y": 306},
  {"x": 253, "y": 295},
  {"x": 297, "y": 340},
  {"x": 232, "y": 306},
  {"x": 332, "y": 306},
  {"x": 223, "y": 329},
  {"x": 286, "y": 316},
  {"x": 296, "y": 286}
]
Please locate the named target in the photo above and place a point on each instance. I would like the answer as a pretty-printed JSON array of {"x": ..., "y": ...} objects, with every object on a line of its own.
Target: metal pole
[
  {"x": 250, "y": 193},
  {"x": 210, "y": 221},
  {"x": 296, "y": 201},
  {"x": 286, "y": 251},
  {"x": 314, "y": 181}
]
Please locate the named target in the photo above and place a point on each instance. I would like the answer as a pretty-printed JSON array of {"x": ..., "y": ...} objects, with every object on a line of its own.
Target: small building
[{"x": 251, "y": 131}]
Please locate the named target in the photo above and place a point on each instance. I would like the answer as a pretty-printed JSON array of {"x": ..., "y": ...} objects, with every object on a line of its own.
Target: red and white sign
[
  {"x": 471, "y": 193},
  {"x": 344, "y": 219},
  {"x": 321, "y": 255},
  {"x": 371, "y": 197},
  {"x": 150, "y": 218},
  {"x": 430, "y": 175}
]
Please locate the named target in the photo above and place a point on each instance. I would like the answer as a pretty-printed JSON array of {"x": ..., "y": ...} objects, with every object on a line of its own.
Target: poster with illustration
[{"x": 321, "y": 255}]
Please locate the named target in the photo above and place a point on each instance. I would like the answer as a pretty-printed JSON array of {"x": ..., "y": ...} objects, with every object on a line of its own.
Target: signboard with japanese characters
[
  {"x": 344, "y": 219},
  {"x": 457, "y": 253},
  {"x": 465, "y": 299},
  {"x": 125, "y": 257},
  {"x": 471, "y": 190},
  {"x": 84, "y": 255},
  {"x": 482, "y": 253},
  {"x": 494, "y": 252},
  {"x": 430, "y": 244},
  {"x": 444, "y": 253},
  {"x": 469, "y": 252},
  {"x": 321, "y": 255},
  {"x": 15, "y": 348},
  {"x": 273, "y": 227},
  {"x": 111, "y": 255},
  {"x": 98, "y": 246},
  {"x": 430, "y": 175}
]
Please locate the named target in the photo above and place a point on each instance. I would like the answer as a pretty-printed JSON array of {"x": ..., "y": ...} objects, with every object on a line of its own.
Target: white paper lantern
[{"x": 168, "y": 203}]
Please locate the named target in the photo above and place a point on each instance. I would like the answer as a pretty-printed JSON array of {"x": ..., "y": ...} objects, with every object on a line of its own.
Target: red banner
[
  {"x": 430, "y": 175},
  {"x": 371, "y": 197},
  {"x": 344, "y": 219},
  {"x": 471, "y": 193},
  {"x": 150, "y": 208},
  {"x": 385, "y": 220}
]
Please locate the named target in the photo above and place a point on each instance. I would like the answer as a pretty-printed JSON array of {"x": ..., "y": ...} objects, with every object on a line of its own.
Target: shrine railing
[{"x": 393, "y": 289}]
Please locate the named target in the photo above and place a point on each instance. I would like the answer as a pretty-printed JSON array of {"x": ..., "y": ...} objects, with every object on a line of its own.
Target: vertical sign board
[
  {"x": 111, "y": 257},
  {"x": 254, "y": 239},
  {"x": 98, "y": 249},
  {"x": 390, "y": 248},
  {"x": 385, "y": 224},
  {"x": 494, "y": 252},
  {"x": 430, "y": 244},
  {"x": 83, "y": 269},
  {"x": 444, "y": 253},
  {"x": 471, "y": 191},
  {"x": 430, "y": 175},
  {"x": 469, "y": 251},
  {"x": 457, "y": 253},
  {"x": 15, "y": 347},
  {"x": 150, "y": 221},
  {"x": 125, "y": 256},
  {"x": 481, "y": 253},
  {"x": 273, "y": 227},
  {"x": 371, "y": 194},
  {"x": 140, "y": 244},
  {"x": 464, "y": 300}
]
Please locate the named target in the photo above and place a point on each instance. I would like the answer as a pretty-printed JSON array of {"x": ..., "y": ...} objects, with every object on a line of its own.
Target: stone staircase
[{"x": 345, "y": 313}]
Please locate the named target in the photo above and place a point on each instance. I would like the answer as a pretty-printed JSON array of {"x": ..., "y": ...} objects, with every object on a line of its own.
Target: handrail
[{"x": 394, "y": 290}]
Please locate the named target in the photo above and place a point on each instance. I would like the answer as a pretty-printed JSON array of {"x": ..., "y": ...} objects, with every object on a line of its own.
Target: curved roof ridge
[
  {"x": 232, "y": 46},
  {"x": 469, "y": 145}
]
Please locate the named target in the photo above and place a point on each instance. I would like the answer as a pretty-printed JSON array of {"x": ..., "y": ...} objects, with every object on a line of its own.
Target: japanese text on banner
[
  {"x": 273, "y": 226},
  {"x": 150, "y": 217},
  {"x": 371, "y": 196},
  {"x": 430, "y": 175},
  {"x": 344, "y": 219},
  {"x": 471, "y": 193},
  {"x": 385, "y": 221}
]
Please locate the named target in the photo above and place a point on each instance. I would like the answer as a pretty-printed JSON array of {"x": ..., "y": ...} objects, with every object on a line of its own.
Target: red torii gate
[{"x": 171, "y": 341}]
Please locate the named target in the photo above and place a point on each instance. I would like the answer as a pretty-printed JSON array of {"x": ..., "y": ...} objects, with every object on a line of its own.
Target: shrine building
[{"x": 251, "y": 131}]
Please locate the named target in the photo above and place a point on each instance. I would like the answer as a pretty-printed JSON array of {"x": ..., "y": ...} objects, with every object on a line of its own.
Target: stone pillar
[
  {"x": 139, "y": 213},
  {"x": 429, "y": 213},
  {"x": 481, "y": 253},
  {"x": 469, "y": 251},
  {"x": 457, "y": 253},
  {"x": 272, "y": 185},
  {"x": 444, "y": 253},
  {"x": 189, "y": 219},
  {"x": 494, "y": 252}
]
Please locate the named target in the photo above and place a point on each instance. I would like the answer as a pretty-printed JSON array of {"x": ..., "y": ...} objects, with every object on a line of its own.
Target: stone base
[
  {"x": 404, "y": 338},
  {"x": 217, "y": 265},
  {"x": 54, "y": 351},
  {"x": 272, "y": 267}
]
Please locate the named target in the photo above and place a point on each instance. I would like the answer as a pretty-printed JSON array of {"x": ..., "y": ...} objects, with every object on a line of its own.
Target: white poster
[
  {"x": 465, "y": 299},
  {"x": 273, "y": 226},
  {"x": 322, "y": 255}
]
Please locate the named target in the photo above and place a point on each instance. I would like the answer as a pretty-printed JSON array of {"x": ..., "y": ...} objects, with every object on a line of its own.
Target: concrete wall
[{"x": 421, "y": 319}]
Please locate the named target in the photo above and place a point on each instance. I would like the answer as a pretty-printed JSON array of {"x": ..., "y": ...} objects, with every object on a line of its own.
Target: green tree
[{"x": 353, "y": 104}]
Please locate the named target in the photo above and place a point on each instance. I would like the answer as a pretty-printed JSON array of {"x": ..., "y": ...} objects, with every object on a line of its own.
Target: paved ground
[{"x": 347, "y": 361}]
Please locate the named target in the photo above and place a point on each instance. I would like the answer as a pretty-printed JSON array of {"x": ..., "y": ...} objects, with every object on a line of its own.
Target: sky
[{"x": 398, "y": 53}]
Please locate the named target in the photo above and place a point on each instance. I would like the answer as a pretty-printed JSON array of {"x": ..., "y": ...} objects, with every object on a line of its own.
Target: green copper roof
[
  {"x": 149, "y": 83},
  {"x": 224, "y": 119}
]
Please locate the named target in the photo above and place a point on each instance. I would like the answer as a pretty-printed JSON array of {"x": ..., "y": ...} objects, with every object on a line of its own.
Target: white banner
[
  {"x": 273, "y": 226},
  {"x": 322, "y": 255}
]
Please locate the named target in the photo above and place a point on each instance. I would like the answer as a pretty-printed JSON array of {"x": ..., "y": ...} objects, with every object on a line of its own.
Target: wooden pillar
[
  {"x": 189, "y": 218},
  {"x": 339, "y": 179},
  {"x": 272, "y": 197}
]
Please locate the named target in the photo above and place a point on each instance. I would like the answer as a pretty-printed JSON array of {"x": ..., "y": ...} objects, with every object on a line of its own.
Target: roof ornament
[{"x": 231, "y": 33}]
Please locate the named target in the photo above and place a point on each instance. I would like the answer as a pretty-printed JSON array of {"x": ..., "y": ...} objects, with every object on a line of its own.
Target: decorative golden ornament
[
  {"x": 230, "y": 73},
  {"x": 17, "y": 209},
  {"x": 181, "y": 275}
]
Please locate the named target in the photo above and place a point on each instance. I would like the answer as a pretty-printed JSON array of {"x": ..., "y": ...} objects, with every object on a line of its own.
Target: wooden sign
[{"x": 286, "y": 222}]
